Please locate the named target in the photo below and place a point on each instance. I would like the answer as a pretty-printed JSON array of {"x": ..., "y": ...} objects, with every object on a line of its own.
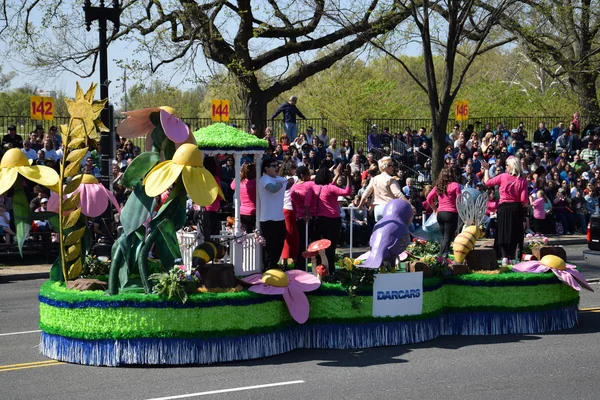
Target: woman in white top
[
  {"x": 383, "y": 187},
  {"x": 271, "y": 190}
]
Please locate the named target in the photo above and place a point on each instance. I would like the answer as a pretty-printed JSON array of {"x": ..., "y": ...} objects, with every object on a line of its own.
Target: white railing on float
[{"x": 245, "y": 254}]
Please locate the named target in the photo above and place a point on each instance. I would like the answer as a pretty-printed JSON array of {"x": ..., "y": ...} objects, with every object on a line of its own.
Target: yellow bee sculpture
[
  {"x": 465, "y": 242},
  {"x": 206, "y": 252}
]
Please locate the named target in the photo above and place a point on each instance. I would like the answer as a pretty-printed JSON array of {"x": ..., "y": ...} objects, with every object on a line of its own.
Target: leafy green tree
[
  {"x": 5, "y": 79},
  {"x": 158, "y": 93},
  {"x": 459, "y": 32},
  {"x": 563, "y": 36},
  {"x": 245, "y": 37}
]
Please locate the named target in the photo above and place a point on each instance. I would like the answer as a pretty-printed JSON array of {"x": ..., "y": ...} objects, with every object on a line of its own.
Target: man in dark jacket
[
  {"x": 11, "y": 139},
  {"x": 289, "y": 111}
]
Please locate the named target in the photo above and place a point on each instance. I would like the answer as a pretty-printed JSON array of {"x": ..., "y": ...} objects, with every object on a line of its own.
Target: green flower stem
[
  {"x": 143, "y": 259},
  {"x": 113, "y": 278}
]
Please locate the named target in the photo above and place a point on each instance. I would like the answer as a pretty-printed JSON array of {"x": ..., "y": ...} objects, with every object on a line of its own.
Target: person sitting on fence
[{"x": 289, "y": 110}]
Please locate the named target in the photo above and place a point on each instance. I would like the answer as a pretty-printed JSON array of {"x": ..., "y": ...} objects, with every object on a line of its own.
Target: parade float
[{"x": 146, "y": 311}]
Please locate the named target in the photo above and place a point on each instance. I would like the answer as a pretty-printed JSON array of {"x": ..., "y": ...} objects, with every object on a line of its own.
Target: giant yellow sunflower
[
  {"x": 14, "y": 162},
  {"x": 85, "y": 112},
  {"x": 187, "y": 162}
]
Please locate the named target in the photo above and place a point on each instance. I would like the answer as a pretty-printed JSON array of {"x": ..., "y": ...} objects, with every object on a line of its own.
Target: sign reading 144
[
  {"x": 41, "y": 108},
  {"x": 462, "y": 110},
  {"x": 219, "y": 111}
]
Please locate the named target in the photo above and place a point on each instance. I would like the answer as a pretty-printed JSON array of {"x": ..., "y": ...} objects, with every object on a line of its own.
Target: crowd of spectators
[
  {"x": 46, "y": 148},
  {"x": 561, "y": 165}
]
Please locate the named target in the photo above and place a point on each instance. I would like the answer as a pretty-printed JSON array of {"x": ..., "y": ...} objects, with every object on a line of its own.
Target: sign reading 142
[
  {"x": 42, "y": 108},
  {"x": 220, "y": 111}
]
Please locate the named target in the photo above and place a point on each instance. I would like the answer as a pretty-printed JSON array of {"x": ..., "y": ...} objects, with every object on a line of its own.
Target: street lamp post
[{"x": 103, "y": 14}]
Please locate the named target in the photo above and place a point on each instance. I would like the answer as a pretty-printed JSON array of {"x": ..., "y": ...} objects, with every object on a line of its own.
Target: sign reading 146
[
  {"x": 462, "y": 110},
  {"x": 220, "y": 111},
  {"x": 41, "y": 108}
]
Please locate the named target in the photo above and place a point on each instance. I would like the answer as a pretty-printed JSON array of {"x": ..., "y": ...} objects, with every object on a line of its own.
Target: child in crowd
[{"x": 5, "y": 224}]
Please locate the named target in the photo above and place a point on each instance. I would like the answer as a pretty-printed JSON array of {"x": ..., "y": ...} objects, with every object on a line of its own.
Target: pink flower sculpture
[
  {"x": 139, "y": 124},
  {"x": 291, "y": 285},
  {"x": 94, "y": 197},
  {"x": 567, "y": 273}
]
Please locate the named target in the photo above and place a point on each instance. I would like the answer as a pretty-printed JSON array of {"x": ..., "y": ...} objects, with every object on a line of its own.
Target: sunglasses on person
[{"x": 273, "y": 166}]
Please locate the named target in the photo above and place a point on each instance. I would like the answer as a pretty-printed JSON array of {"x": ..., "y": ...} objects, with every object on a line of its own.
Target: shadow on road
[{"x": 379, "y": 355}]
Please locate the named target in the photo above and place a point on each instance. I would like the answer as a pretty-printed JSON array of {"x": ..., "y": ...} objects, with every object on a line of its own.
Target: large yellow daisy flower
[
  {"x": 14, "y": 162},
  {"x": 198, "y": 182}
]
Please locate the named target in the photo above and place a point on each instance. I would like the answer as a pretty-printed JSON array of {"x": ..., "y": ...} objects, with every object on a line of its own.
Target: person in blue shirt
[
  {"x": 476, "y": 162},
  {"x": 289, "y": 111},
  {"x": 557, "y": 131},
  {"x": 512, "y": 147},
  {"x": 374, "y": 139}
]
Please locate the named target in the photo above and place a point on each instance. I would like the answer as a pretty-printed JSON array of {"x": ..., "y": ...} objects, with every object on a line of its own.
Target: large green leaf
[
  {"x": 56, "y": 272},
  {"x": 22, "y": 214},
  {"x": 167, "y": 259},
  {"x": 158, "y": 136},
  {"x": 173, "y": 209},
  {"x": 137, "y": 210},
  {"x": 169, "y": 236},
  {"x": 138, "y": 168},
  {"x": 168, "y": 148},
  {"x": 115, "y": 280}
]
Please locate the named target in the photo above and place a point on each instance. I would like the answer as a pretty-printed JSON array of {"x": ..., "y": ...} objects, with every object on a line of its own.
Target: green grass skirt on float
[{"x": 95, "y": 329}]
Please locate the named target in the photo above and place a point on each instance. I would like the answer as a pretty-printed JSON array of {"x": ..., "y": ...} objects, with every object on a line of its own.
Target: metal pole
[{"x": 105, "y": 142}]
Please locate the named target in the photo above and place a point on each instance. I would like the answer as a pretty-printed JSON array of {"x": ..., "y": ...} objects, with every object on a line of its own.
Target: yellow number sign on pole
[
  {"x": 41, "y": 108},
  {"x": 462, "y": 110},
  {"x": 219, "y": 111}
]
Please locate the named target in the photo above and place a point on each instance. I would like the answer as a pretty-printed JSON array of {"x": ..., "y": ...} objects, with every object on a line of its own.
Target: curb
[{"x": 24, "y": 277}]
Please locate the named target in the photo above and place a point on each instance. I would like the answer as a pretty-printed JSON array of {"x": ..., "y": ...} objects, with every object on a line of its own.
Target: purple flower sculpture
[
  {"x": 567, "y": 273},
  {"x": 390, "y": 234},
  {"x": 291, "y": 285}
]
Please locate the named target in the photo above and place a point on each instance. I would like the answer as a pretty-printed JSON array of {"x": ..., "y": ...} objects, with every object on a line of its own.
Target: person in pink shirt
[
  {"x": 247, "y": 197},
  {"x": 298, "y": 196},
  {"x": 329, "y": 222},
  {"x": 446, "y": 190},
  {"x": 539, "y": 214},
  {"x": 490, "y": 212},
  {"x": 511, "y": 214}
]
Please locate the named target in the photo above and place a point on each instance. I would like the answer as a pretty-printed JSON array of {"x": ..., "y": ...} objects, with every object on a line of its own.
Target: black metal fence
[
  {"x": 529, "y": 123},
  {"x": 25, "y": 125}
]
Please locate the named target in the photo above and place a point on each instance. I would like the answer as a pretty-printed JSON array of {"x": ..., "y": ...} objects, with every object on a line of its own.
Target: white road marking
[
  {"x": 183, "y": 396},
  {"x": 18, "y": 333}
]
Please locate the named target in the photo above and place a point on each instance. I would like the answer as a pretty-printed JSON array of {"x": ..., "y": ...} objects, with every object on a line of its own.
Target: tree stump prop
[
  {"x": 87, "y": 284},
  {"x": 482, "y": 258},
  {"x": 458, "y": 269},
  {"x": 217, "y": 276},
  {"x": 542, "y": 251},
  {"x": 418, "y": 266}
]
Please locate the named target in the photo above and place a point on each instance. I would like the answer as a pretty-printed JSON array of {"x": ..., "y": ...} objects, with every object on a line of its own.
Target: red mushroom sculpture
[{"x": 319, "y": 247}]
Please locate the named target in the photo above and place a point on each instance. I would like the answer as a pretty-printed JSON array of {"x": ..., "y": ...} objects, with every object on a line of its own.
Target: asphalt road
[{"x": 562, "y": 365}]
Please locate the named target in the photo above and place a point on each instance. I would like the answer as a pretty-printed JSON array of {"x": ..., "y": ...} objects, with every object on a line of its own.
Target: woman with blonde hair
[
  {"x": 511, "y": 213},
  {"x": 383, "y": 187}
]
